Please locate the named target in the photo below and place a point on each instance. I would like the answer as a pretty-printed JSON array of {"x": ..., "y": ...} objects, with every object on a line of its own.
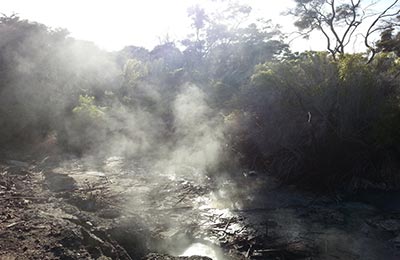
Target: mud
[{"x": 64, "y": 207}]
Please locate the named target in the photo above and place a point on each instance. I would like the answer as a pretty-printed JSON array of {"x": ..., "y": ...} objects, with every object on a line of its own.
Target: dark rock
[{"x": 60, "y": 182}]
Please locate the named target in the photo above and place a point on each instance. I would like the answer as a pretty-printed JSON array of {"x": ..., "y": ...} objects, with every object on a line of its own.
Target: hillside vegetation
[{"x": 316, "y": 119}]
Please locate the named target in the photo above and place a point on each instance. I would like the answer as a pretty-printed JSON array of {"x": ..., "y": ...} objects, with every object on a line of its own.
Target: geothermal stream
[{"x": 186, "y": 212}]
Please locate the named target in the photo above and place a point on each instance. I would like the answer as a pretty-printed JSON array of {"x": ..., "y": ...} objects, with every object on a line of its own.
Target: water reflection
[{"x": 200, "y": 249}]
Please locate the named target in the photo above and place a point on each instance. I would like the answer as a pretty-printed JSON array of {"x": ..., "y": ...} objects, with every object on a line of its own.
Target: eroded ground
[{"x": 63, "y": 207}]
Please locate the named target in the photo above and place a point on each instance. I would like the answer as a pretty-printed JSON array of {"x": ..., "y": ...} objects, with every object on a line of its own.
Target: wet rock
[
  {"x": 396, "y": 240},
  {"x": 60, "y": 182},
  {"x": 131, "y": 235},
  {"x": 389, "y": 224},
  {"x": 387, "y": 201},
  {"x": 110, "y": 213},
  {"x": 300, "y": 249},
  {"x": 249, "y": 173},
  {"x": 88, "y": 203},
  {"x": 18, "y": 163}
]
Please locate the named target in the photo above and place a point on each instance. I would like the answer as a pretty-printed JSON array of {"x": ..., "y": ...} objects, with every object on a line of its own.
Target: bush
[
  {"x": 320, "y": 122},
  {"x": 87, "y": 126},
  {"x": 42, "y": 73}
]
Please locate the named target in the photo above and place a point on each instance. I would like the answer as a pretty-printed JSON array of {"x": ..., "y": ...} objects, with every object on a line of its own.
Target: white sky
[
  {"x": 118, "y": 23},
  {"x": 115, "y": 24}
]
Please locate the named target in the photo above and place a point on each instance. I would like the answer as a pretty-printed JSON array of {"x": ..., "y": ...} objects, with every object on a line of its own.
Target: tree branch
[{"x": 371, "y": 30}]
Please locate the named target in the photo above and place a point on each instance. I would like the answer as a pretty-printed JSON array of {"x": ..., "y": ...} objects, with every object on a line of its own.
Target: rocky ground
[{"x": 64, "y": 207}]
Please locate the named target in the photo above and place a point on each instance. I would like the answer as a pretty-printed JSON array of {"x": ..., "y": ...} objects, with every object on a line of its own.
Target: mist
[{"x": 224, "y": 144}]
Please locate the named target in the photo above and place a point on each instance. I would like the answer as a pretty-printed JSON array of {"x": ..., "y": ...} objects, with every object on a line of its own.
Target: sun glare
[{"x": 115, "y": 24}]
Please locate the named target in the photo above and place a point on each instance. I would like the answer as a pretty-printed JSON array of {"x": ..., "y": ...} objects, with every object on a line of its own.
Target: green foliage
[
  {"x": 226, "y": 48},
  {"x": 354, "y": 66},
  {"x": 87, "y": 109},
  {"x": 42, "y": 74},
  {"x": 385, "y": 131},
  {"x": 311, "y": 115},
  {"x": 87, "y": 127},
  {"x": 134, "y": 71},
  {"x": 312, "y": 118}
]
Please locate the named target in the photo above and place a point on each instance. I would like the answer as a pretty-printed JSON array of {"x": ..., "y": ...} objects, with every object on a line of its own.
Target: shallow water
[{"x": 200, "y": 249}]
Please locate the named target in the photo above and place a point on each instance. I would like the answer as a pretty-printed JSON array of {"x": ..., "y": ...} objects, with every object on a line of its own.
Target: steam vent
[{"x": 200, "y": 130}]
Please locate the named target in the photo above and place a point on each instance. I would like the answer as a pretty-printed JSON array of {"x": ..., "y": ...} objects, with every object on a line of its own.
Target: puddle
[{"x": 200, "y": 249}]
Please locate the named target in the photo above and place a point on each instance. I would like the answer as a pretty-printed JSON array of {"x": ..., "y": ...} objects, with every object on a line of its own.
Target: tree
[
  {"x": 339, "y": 20},
  {"x": 226, "y": 46},
  {"x": 43, "y": 72},
  {"x": 390, "y": 40},
  {"x": 199, "y": 19}
]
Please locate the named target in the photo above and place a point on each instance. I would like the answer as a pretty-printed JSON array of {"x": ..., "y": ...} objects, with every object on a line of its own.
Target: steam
[
  {"x": 191, "y": 138},
  {"x": 46, "y": 72},
  {"x": 170, "y": 130},
  {"x": 199, "y": 133},
  {"x": 42, "y": 74}
]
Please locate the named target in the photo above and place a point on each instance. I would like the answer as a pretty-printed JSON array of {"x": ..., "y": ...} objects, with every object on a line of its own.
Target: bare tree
[{"x": 338, "y": 20}]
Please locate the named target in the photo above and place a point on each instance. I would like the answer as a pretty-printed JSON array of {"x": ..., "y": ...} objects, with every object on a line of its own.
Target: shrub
[
  {"x": 87, "y": 127},
  {"x": 320, "y": 122}
]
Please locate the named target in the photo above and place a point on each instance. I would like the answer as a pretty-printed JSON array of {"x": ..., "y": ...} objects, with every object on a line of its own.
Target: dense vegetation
[{"x": 318, "y": 119}]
